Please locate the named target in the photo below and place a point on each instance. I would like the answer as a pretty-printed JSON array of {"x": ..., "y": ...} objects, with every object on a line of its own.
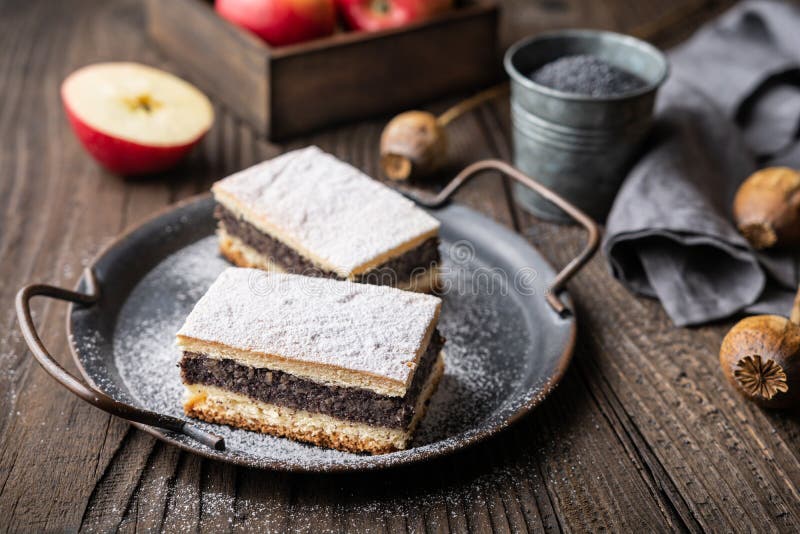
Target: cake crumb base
[
  {"x": 241, "y": 254},
  {"x": 216, "y": 405}
]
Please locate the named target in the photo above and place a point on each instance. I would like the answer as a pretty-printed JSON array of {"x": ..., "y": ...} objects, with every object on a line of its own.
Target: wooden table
[{"x": 643, "y": 433}]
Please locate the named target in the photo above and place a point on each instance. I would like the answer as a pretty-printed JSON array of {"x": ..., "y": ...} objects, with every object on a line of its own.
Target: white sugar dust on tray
[{"x": 472, "y": 389}]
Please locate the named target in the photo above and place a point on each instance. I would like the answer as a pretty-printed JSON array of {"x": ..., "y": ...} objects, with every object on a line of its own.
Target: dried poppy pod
[
  {"x": 767, "y": 208},
  {"x": 760, "y": 356},
  {"x": 414, "y": 143}
]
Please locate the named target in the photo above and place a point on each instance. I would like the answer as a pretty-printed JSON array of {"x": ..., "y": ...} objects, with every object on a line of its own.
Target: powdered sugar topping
[
  {"x": 359, "y": 327},
  {"x": 332, "y": 209}
]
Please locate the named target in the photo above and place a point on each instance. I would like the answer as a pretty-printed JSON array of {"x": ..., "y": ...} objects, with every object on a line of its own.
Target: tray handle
[
  {"x": 90, "y": 394},
  {"x": 592, "y": 241}
]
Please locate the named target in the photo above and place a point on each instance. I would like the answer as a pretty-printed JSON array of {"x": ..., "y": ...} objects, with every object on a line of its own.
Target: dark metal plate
[{"x": 506, "y": 348}]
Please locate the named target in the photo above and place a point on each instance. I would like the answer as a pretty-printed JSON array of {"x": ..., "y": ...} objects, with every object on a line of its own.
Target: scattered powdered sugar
[
  {"x": 335, "y": 211},
  {"x": 364, "y": 328},
  {"x": 488, "y": 351},
  {"x": 9, "y": 368}
]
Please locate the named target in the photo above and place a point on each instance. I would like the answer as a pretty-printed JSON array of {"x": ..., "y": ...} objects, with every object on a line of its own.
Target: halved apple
[{"x": 135, "y": 119}]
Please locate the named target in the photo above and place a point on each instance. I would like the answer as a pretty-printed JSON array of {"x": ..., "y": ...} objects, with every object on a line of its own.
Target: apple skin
[
  {"x": 125, "y": 157},
  {"x": 281, "y": 22},
  {"x": 135, "y": 119},
  {"x": 375, "y": 15}
]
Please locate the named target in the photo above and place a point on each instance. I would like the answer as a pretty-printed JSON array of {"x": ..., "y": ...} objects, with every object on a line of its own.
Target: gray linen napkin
[{"x": 730, "y": 106}]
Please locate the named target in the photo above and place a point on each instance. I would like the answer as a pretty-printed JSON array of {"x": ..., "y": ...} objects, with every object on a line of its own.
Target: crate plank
[
  {"x": 221, "y": 59},
  {"x": 297, "y": 89}
]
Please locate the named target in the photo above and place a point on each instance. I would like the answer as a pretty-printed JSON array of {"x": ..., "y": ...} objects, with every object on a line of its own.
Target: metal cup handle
[
  {"x": 88, "y": 393},
  {"x": 592, "y": 241}
]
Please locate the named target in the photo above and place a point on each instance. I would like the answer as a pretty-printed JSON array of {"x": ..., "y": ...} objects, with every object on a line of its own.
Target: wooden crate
[{"x": 296, "y": 89}]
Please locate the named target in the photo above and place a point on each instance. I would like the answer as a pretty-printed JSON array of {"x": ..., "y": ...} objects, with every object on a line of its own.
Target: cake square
[
  {"x": 306, "y": 212},
  {"x": 335, "y": 363}
]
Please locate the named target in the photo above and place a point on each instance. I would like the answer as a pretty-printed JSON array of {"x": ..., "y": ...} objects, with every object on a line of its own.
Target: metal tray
[{"x": 509, "y": 330}]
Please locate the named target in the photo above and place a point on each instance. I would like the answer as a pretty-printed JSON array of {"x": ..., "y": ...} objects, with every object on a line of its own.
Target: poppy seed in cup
[{"x": 586, "y": 75}]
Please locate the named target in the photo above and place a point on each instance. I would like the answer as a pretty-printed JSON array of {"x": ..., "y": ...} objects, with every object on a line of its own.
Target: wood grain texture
[
  {"x": 222, "y": 59},
  {"x": 295, "y": 89},
  {"x": 643, "y": 433}
]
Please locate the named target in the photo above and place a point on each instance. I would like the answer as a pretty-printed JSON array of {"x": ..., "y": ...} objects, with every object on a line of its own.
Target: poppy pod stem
[{"x": 414, "y": 143}]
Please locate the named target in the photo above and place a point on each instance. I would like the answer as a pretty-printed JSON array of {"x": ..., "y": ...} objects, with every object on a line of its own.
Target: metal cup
[{"x": 578, "y": 145}]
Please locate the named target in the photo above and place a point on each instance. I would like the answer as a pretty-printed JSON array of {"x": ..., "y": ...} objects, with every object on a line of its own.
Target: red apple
[
  {"x": 281, "y": 22},
  {"x": 374, "y": 15},
  {"x": 135, "y": 119}
]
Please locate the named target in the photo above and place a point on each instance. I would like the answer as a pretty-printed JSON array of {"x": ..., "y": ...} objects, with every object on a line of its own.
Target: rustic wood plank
[
  {"x": 642, "y": 434},
  {"x": 29, "y": 452},
  {"x": 183, "y": 505},
  {"x": 115, "y": 491},
  {"x": 648, "y": 365}
]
